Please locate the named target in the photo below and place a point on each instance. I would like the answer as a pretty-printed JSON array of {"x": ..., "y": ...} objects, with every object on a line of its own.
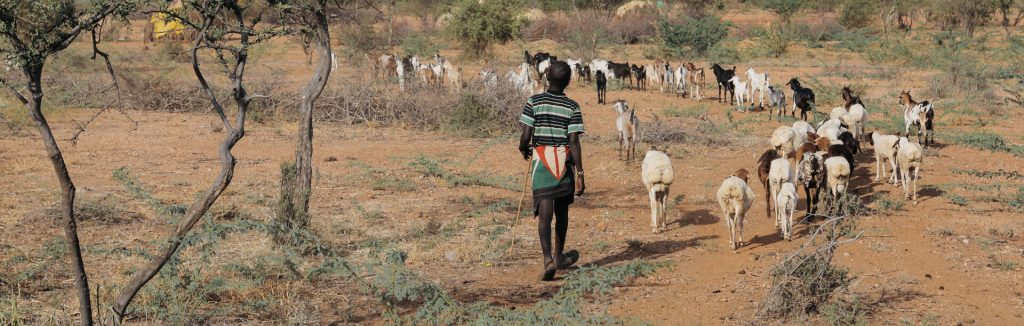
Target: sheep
[
  {"x": 657, "y": 175},
  {"x": 884, "y": 151},
  {"x": 739, "y": 90},
  {"x": 785, "y": 206},
  {"x": 758, "y": 83},
  {"x": 782, "y": 140},
  {"x": 735, "y": 197},
  {"x": 780, "y": 173},
  {"x": 810, "y": 172},
  {"x": 776, "y": 100},
  {"x": 764, "y": 168},
  {"x": 908, "y": 157},
  {"x": 627, "y": 125},
  {"x": 837, "y": 176}
]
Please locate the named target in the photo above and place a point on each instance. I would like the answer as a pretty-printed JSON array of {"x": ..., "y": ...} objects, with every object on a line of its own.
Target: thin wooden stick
[{"x": 519, "y": 211}]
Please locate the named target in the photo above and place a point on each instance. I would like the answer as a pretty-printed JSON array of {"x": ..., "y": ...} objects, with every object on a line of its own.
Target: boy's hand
[
  {"x": 527, "y": 153},
  {"x": 581, "y": 185}
]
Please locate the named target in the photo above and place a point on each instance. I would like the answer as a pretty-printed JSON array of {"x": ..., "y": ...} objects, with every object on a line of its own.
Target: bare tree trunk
[
  {"x": 227, "y": 164},
  {"x": 316, "y": 84},
  {"x": 35, "y": 102}
]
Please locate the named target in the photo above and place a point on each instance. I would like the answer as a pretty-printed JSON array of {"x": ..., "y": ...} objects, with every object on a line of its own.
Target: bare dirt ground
[{"x": 936, "y": 262}]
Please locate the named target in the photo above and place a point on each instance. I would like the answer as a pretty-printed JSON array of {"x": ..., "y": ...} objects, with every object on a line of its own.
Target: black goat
[
  {"x": 641, "y": 77},
  {"x": 621, "y": 72},
  {"x": 723, "y": 76},
  {"x": 842, "y": 151},
  {"x": 602, "y": 87},
  {"x": 803, "y": 98},
  {"x": 850, "y": 142}
]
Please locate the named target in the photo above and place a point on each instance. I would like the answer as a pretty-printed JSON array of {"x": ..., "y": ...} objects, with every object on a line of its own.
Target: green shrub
[
  {"x": 359, "y": 40},
  {"x": 692, "y": 36},
  {"x": 724, "y": 54},
  {"x": 856, "y": 13},
  {"x": 987, "y": 141},
  {"x": 784, "y": 8},
  {"x": 479, "y": 25},
  {"x": 419, "y": 44},
  {"x": 774, "y": 41}
]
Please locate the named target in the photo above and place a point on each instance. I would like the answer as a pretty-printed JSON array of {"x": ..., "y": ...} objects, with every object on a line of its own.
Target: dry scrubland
[{"x": 414, "y": 195}]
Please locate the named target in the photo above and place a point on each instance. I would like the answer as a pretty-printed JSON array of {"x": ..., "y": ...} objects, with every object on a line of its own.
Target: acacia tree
[
  {"x": 228, "y": 29},
  {"x": 31, "y": 32},
  {"x": 310, "y": 18}
]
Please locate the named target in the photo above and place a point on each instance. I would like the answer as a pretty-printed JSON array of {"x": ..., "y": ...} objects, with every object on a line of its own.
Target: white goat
[
  {"x": 522, "y": 80},
  {"x": 785, "y": 206},
  {"x": 453, "y": 75},
  {"x": 782, "y": 141},
  {"x": 758, "y": 82},
  {"x": 627, "y": 125},
  {"x": 657, "y": 176},
  {"x": 602, "y": 66},
  {"x": 668, "y": 78},
  {"x": 885, "y": 150},
  {"x": 855, "y": 118},
  {"x": 681, "y": 79},
  {"x": 909, "y": 157},
  {"x": 572, "y": 68},
  {"x": 735, "y": 197},
  {"x": 740, "y": 92},
  {"x": 802, "y": 127},
  {"x": 837, "y": 172},
  {"x": 779, "y": 173},
  {"x": 838, "y": 113},
  {"x": 400, "y": 69}
]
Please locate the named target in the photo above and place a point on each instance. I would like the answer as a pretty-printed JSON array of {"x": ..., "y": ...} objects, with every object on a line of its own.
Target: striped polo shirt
[{"x": 553, "y": 118}]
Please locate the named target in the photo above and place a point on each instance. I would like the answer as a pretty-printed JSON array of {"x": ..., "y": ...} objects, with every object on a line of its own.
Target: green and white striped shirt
[{"x": 553, "y": 118}]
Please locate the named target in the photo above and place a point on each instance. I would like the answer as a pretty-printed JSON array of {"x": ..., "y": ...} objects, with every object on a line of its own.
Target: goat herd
[{"x": 823, "y": 156}]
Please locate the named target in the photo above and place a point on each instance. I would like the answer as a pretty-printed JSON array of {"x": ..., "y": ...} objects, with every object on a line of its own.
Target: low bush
[
  {"x": 857, "y": 13},
  {"x": 692, "y": 36},
  {"x": 987, "y": 141},
  {"x": 774, "y": 41}
]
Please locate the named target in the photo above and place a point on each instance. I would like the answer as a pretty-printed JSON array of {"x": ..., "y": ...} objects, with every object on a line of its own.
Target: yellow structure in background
[{"x": 162, "y": 25}]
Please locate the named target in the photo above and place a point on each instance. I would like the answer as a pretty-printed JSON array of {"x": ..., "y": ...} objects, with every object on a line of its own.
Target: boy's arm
[
  {"x": 577, "y": 158},
  {"x": 524, "y": 141}
]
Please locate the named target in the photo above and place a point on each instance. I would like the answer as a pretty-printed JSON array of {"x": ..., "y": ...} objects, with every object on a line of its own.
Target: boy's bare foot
[
  {"x": 549, "y": 271},
  {"x": 568, "y": 259}
]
